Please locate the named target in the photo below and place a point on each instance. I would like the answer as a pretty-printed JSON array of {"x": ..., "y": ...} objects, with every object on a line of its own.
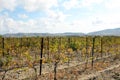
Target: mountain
[
  {"x": 73, "y": 34},
  {"x": 106, "y": 32},
  {"x": 25, "y": 34},
  {"x": 42, "y": 34}
]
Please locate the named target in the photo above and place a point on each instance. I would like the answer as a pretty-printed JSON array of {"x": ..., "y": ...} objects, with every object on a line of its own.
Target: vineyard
[{"x": 56, "y": 55}]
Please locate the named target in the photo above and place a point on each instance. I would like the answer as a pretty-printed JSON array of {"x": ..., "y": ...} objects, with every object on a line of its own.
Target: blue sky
[{"x": 58, "y": 16}]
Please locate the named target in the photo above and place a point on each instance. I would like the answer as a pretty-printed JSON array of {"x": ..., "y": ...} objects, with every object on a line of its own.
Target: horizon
[
  {"x": 60, "y": 33},
  {"x": 58, "y": 16}
]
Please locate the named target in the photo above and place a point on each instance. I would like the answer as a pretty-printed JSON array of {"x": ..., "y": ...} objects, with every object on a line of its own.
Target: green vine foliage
[{"x": 26, "y": 50}]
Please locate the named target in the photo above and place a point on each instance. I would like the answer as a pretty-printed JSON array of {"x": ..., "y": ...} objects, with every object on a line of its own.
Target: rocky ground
[{"x": 105, "y": 68}]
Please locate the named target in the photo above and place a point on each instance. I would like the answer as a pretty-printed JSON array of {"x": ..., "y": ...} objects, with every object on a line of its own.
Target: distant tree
[{"x": 0, "y": 36}]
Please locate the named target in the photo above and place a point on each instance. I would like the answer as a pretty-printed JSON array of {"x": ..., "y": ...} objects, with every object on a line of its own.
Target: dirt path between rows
[
  {"x": 77, "y": 71},
  {"x": 98, "y": 74}
]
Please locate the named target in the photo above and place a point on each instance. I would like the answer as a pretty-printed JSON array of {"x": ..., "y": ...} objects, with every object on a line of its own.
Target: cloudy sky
[{"x": 58, "y": 16}]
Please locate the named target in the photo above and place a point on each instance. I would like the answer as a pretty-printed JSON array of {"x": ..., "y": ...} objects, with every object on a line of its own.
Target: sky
[{"x": 58, "y": 16}]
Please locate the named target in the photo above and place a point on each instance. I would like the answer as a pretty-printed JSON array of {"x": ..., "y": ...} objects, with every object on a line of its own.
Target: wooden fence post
[
  {"x": 3, "y": 46},
  {"x": 41, "y": 56},
  {"x": 93, "y": 52}
]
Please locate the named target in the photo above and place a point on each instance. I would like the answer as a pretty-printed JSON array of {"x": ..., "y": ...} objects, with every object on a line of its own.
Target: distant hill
[
  {"x": 107, "y": 32},
  {"x": 0, "y": 35},
  {"x": 42, "y": 34},
  {"x": 73, "y": 34},
  {"x": 26, "y": 34}
]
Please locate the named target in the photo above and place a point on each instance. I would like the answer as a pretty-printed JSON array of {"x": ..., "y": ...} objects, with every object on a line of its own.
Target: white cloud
[
  {"x": 80, "y": 3},
  {"x": 96, "y": 22},
  {"x": 38, "y": 5},
  {"x": 113, "y": 4},
  {"x": 70, "y": 4},
  {"x": 53, "y": 25},
  {"x": 8, "y": 4},
  {"x": 9, "y": 25},
  {"x": 23, "y": 16},
  {"x": 107, "y": 21},
  {"x": 29, "y": 5},
  {"x": 58, "y": 16},
  {"x": 109, "y": 18},
  {"x": 56, "y": 20},
  {"x": 46, "y": 24},
  {"x": 88, "y": 3}
]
